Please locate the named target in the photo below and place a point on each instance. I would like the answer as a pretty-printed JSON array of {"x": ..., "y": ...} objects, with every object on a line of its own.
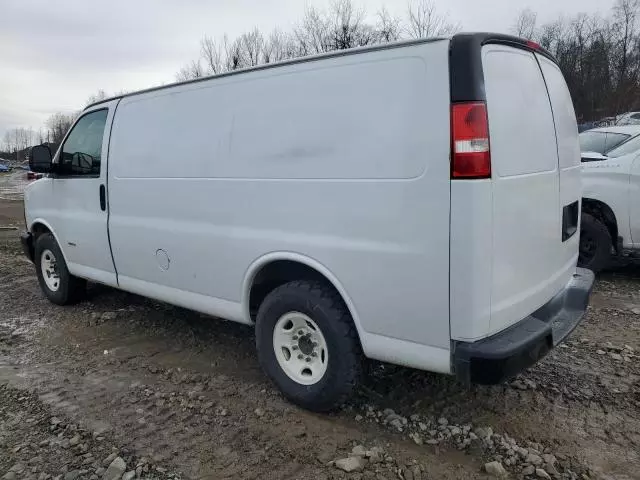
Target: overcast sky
[{"x": 54, "y": 55}]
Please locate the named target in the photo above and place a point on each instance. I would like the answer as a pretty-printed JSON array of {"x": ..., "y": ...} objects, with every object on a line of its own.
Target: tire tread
[
  {"x": 602, "y": 257},
  {"x": 351, "y": 361},
  {"x": 72, "y": 289}
]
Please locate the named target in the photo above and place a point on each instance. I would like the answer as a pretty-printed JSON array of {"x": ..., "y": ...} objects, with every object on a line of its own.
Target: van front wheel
[
  {"x": 54, "y": 278},
  {"x": 308, "y": 345}
]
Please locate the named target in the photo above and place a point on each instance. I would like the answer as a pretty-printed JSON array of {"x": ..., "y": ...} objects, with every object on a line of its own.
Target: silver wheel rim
[
  {"x": 300, "y": 348},
  {"x": 49, "y": 268}
]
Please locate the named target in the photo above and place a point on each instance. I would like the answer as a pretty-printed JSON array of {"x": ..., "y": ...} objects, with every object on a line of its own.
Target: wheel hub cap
[
  {"x": 306, "y": 345},
  {"x": 49, "y": 268},
  {"x": 300, "y": 348}
]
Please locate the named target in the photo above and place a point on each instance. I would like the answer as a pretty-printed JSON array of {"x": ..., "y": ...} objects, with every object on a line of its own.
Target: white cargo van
[{"x": 416, "y": 203}]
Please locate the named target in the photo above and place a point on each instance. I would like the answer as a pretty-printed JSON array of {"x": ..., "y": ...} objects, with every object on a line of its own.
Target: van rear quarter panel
[{"x": 343, "y": 160}]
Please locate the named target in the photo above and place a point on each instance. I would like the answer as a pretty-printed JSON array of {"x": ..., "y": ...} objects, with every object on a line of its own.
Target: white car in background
[
  {"x": 611, "y": 194},
  {"x": 629, "y": 118}
]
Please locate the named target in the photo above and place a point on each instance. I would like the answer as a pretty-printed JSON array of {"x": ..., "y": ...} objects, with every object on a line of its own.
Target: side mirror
[
  {"x": 593, "y": 157},
  {"x": 40, "y": 159}
]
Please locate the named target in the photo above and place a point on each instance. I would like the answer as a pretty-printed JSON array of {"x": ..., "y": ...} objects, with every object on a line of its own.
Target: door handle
[
  {"x": 570, "y": 220},
  {"x": 103, "y": 198}
]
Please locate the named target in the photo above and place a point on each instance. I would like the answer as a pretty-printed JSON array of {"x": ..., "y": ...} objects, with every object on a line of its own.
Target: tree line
[
  {"x": 599, "y": 57},
  {"x": 343, "y": 25},
  {"x": 17, "y": 141}
]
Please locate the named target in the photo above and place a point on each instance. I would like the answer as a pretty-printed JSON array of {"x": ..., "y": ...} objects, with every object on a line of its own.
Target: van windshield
[{"x": 601, "y": 142}]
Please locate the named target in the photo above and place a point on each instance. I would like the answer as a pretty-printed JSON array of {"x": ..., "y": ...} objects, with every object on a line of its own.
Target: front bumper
[
  {"x": 27, "y": 245},
  {"x": 505, "y": 354}
]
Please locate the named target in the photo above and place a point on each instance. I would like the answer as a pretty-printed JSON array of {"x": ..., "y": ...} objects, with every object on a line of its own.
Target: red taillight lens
[
  {"x": 470, "y": 154},
  {"x": 533, "y": 45}
]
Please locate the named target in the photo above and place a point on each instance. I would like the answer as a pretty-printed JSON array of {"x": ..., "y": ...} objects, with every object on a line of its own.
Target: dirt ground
[
  {"x": 12, "y": 186},
  {"x": 124, "y": 386}
]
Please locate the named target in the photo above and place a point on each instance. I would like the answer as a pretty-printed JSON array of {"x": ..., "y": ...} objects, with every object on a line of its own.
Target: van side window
[{"x": 82, "y": 150}]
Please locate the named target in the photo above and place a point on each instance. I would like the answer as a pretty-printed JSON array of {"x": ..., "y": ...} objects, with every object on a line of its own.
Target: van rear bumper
[{"x": 505, "y": 354}]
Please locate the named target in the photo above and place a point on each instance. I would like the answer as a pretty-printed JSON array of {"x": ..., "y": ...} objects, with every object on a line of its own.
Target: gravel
[
  {"x": 504, "y": 452},
  {"x": 107, "y": 461},
  {"x": 359, "y": 451},
  {"x": 115, "y": 470},
  {"x": 351, "y": 464},
  {"x": 541, "y": 473},
  {"x": 180, "y": 396},
  {"x": 50, "y": 447},
  {"x": 495, "y": 469}
]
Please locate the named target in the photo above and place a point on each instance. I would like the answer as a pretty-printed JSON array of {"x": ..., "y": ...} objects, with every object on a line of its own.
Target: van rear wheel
[
  {"x": 308, "y": 345},
  {"x": 595, "y": 244},
  {"x": 54, "y": 278}
]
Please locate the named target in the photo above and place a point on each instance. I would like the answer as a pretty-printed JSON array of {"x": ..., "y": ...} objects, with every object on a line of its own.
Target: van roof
[
  {"x": 475, "y": 39},
  {"x": 308, "y": 58}
]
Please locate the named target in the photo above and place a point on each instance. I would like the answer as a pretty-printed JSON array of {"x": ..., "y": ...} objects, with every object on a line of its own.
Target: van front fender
[{"x": 33, "y": 228}]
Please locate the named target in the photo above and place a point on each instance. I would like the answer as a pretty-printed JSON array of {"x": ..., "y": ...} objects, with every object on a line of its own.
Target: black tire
[
  {"x": 595, "y": 244},
  {"x": 324, "y": 306},
  {"x": 71, "y": 289}
]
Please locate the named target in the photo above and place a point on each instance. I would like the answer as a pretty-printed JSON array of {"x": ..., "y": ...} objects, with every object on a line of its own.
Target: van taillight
[
  {"x": 470, "y": 153},
  {"x": 533, "y": 45}
]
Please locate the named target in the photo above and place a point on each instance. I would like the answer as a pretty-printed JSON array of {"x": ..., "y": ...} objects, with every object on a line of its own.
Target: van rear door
[
  {"x": 534, "y": 190},
  {"x": 568, "y": 153}
]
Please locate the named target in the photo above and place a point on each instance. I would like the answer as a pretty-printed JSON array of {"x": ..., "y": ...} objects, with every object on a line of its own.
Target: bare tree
[
  {"x": 347, "y": 27},
  {"x": 274, "y": 47},
  {"x": 58, "y": 124},
  {"x": 233, "y": 54},
  {"x": 625, "y": 22},
  {"x": 550, "y": 35},
  {"x": 212, "y": 54},
  {"x": 219, "y": 56},
  {"x": 17, "y": 141},
  {"x": 96, "y": 97},
  {"x": 9, "y": 141},
  {"x": 190, "y": 71},
  {"x": 525, "y": 26},
  {"x": 224, "y": 55},
  {"x": 340, "y": 27},
  {"x": 279, "y": 46},
  {"x": 425, "y": 21},
  {"x": 313, "y": 33},
  {"x": 251, "y": 47},
  {"x": 599, "y": 58},
  {"x": 5, "y": 149},
  {"x": 388, "y": 27}
]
